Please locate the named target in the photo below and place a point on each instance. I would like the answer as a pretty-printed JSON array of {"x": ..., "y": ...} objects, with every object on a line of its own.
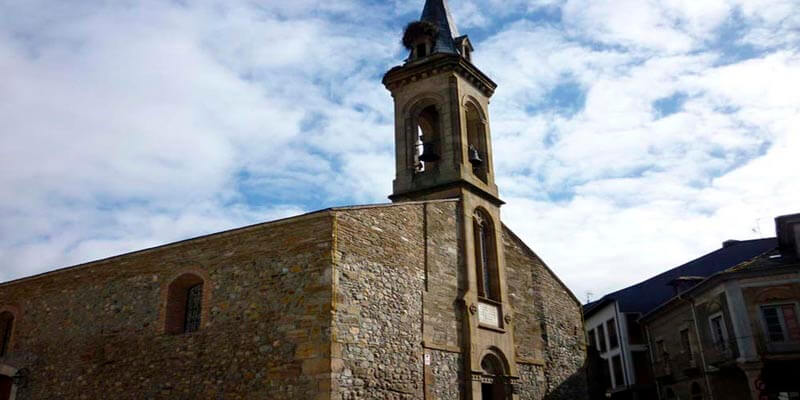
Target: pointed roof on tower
[{"x": 437, "y": 13}]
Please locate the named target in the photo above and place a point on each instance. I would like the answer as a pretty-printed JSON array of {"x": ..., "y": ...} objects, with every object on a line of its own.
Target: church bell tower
[
  {"x": 443, "y": 151},
  {"x": 442, "y": 136}
]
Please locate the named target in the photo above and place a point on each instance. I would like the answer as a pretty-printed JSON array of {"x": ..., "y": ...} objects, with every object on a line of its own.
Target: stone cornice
[{"x": 413, "y": 71}]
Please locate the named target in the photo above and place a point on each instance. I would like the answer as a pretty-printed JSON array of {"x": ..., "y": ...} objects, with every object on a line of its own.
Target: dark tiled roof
[
  {"x": 767, "y": 261},
  {"x": 646, "y": 296},
  {"x": 437, "y": 13}
]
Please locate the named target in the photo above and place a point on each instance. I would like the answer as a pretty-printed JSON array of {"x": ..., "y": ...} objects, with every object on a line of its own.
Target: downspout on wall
[
  {"x": 650, "y": 347},
  {"x": 702, "y": 351}
]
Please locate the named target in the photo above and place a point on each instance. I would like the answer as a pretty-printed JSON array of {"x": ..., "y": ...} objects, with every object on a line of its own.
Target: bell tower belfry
[
  {"x": 442, "y": 136},
  {"x": 443, "y": 151}
]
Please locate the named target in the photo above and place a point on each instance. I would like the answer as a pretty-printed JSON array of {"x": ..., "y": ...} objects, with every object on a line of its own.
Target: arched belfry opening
[
  {"x": 477, "y": 143},
  {"x": 428, "y": 138},
  {"x": 493, "y": 384}
]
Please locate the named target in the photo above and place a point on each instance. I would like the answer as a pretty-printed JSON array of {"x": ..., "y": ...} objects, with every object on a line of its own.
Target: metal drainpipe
[
  {"x": 702, "y": 352},
  {"x": 650, "y": 350}
]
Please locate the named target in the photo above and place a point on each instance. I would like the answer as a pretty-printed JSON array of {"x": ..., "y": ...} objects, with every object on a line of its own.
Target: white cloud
[{"x": 127, "y": 126}]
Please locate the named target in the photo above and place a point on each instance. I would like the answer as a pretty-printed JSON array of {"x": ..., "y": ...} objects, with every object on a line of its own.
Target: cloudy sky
[{"x": 629, "y": 135}]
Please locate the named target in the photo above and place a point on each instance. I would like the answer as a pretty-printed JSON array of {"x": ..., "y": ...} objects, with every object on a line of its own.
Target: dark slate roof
[
  {"x": 646, "y": 296},
  {"x": 770, "y": 262},
  {"x": 437, "y": 13}
]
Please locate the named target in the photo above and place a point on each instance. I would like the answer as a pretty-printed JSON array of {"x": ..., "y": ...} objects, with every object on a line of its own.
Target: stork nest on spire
[{"x": 418, "y": 29}]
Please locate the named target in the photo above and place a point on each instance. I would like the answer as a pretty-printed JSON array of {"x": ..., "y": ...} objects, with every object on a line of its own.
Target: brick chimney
[{"x": 788, "y": 230}]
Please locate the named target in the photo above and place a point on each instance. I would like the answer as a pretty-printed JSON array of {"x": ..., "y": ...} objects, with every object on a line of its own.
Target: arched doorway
[
  {"x": 9, "y": 381},
  {"x": 493, "y": 386},
  {"x": 6, "y": 384}
]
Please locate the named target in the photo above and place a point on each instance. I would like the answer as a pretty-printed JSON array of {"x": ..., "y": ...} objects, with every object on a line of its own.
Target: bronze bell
[
  {"x": 429, "y": 153},
  {"x": 475, "y": 157}
]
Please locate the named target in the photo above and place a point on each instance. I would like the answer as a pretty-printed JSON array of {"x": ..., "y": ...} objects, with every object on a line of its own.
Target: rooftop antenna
[
  {"x": 589, "y": 296},
  {"x": 757, "y": 228}
]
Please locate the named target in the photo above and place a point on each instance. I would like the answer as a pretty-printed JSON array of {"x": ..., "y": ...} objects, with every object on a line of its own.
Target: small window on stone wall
[
  {"x": 6, "y": 328},
  {"x": 184, "y": 309},
  {"x": 485, "y": 256}
]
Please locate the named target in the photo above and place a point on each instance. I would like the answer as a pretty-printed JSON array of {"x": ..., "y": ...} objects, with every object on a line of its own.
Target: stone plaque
[{"x": 488, "y": 314}]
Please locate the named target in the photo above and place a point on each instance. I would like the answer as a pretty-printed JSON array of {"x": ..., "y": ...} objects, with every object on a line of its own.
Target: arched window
[
  {"x": 428, "y": 143},
  {"x": 184, "y": 308},
  {"x": 477, "y": 143},
  {"x": 6, "y": 328},
  {"x": 485, "y": 256},
  {"x": 697, "y": 391}
]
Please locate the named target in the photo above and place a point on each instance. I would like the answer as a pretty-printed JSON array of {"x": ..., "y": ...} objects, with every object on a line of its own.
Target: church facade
[{"x": 429, "y": 297}]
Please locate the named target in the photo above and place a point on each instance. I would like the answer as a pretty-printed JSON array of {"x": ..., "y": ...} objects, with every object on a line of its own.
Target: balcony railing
[{"x": 777, "y": 348}]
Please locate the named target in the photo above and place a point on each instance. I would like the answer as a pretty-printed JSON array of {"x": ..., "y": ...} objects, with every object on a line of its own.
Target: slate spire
[{"x": 437, "y": 13}]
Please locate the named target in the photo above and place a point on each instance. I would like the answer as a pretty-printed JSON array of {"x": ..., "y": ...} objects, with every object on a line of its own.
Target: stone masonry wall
[
  {"x": 377, "y": 324},
  {"x": 548, "y": 329},
  {"x": 381, "y": 282},
  {"x": 94, "y": 332},
  {"x": 357, "y": 303}
]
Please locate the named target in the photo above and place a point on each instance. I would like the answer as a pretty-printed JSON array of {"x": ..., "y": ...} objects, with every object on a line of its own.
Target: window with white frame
[
  {"x": 719, "y": 333},
  {"x": 780, "y": 323}
]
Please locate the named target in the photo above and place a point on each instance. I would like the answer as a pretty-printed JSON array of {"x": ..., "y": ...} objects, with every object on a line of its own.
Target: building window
[
  {"x": 686, "y": 344},
  {"x": 194, "y": 308},
  {"x": 6, "y": 328},
  {"x": 421, "y": 50},
  {"x": 719, "y": 334},
  {"x": 611, "y": 328},
  {"x": 635, "y": 335},
  {"x": 601, "y": 338},
  {"x": 641, "y": 368},
  {"x": 697, "y": 392},
  {"x": 485, "y": 256},
  {"x": 619, "y": 375},
  {"x": 184, "y": 309},
  {"x": 592, "y": 339},
  {"x": 780, "y": 322},
  {"x": 661, "y": 351}
]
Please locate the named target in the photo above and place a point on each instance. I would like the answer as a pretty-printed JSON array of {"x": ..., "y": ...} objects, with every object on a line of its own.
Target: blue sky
[{"x": 629, "y": 136}]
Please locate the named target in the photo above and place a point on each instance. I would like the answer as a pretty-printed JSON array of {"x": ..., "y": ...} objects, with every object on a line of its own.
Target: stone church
[{"x": 429, "y": 297}]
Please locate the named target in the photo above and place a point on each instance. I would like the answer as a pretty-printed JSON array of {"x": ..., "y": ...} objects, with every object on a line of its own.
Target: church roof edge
[{"x": 290, "y": 219}]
